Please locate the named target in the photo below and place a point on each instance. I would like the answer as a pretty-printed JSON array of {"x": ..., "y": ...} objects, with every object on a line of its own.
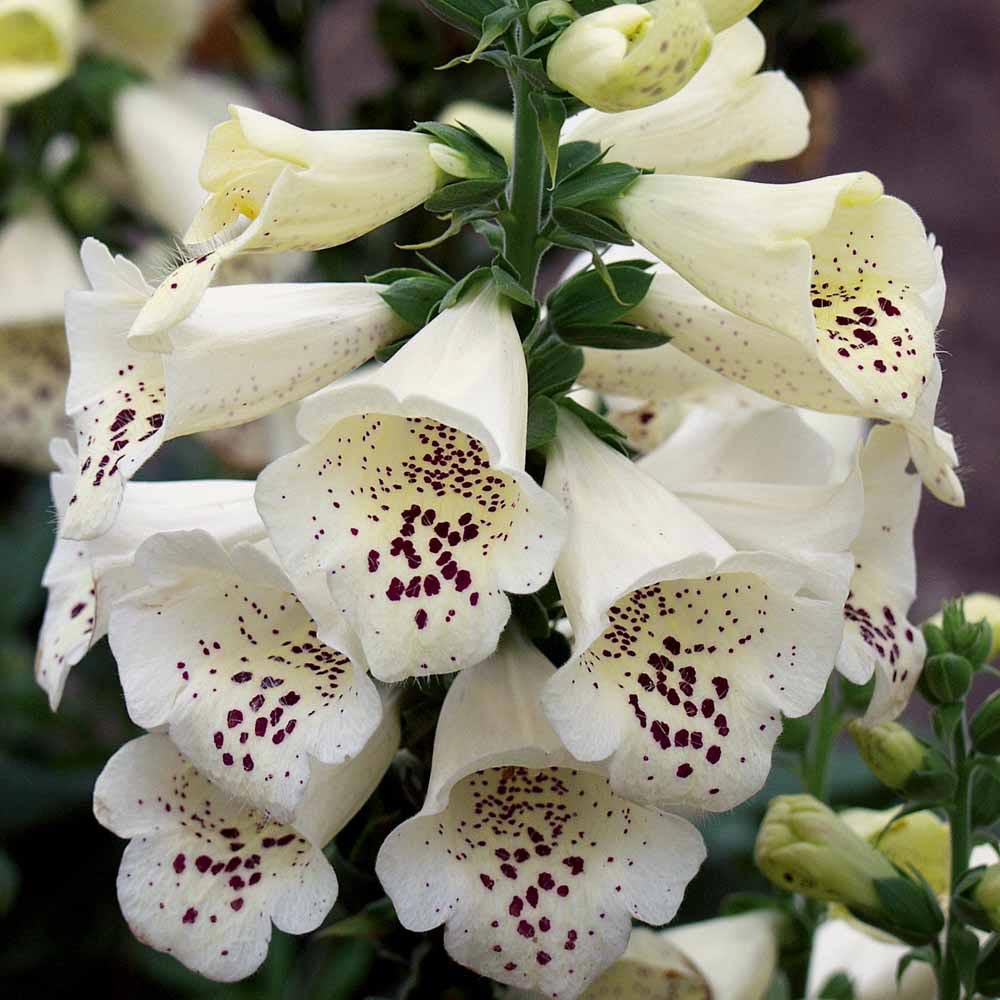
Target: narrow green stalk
[
  {"x": 960, "y": 820},
  {"x": 527, "y": 177},
  {"x": 823, "y": 736}
]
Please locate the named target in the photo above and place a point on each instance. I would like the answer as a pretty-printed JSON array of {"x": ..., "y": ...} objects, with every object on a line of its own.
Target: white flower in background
[
  {"x": 870, "y": 964},
  {"x": 771, "y": 481},
  {"x": 729, "y": 958},
  {"x": 38, "y": 43},
  {"x": 38, "y": 264},
  {"x": 810, "y": 372},
  {"x": 530, "y": 860},
  {"x": 153, "y": 35},
  {"x": 220, "y": 652},
  {"x": 204, "y": 875},
  {"x": 728, "y": 117},
  {"x": 494, "y": 125},
  {"x": 411, "y": 498},
  {"x": 244, "y": 352},
  {"x": 84, "y": 579},
  {"x": 291, "y": 189},
  {"x": 685, "y": 651}
]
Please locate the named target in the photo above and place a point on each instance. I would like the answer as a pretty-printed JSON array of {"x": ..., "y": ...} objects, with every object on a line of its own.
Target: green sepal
[
  {"x": 387, "y": 351},
  {"x": 463, "y": 286},
  {"x": 613, "y": 336},
  {"x": 963, "y": 954},
  {"x": 510, "y": 286},
  {"x": 584, "y": 299},
  {"x": 909, "y": 910},
  {"x": 575, "y": 157},
  {"x": 985, "y": 798},
  {"x": 488, "y": 162},
  {"x": 553, "y": 367},
  {"x": 375, "y": 921},
  {"x": 551, "y": 114},
  {"x": 491, "y": 231},
  {"x": 924, "y": 955},
  {"x": 464, "y": 195},
  {"x": 946, "y": 678},
  {"x": 597, "y": 425},
  {"x": 988, "y": 968},
  {"x": 582, "y": 223},
  {"x": 599, "y": 182},
  {"x": 494, "y": 26},
  {"x": 457, "y": 221},
  {"x": 415, "y": 297},
  {"x": 934, "y": 637},
  {"x": 542, "y": 422},
  {"x": 837, "y": 987}
]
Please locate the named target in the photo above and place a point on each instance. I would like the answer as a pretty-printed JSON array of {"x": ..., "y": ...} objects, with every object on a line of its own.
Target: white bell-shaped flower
[
  {"x": 273, "y": 186},
  {"x": 686, "y": 652},
  {"x": 530, "y": 860},
  {"x": 150, "y": 34},
  {"x": 218, "y": 650},
  {"x": 729, "y": 958},
  {"x": 204, "y": 875},
  {"x": 770, "y": 481},
  {"x": 38, "y": 265},
  {"x": 727, "y": 118},
  {"x": 84, "y": 579},
  {"x": 411, "y": 499},
  {"x": 246, "y": 351},
  {"x": 833, "y": 263},
  {"x": 812, "y": 373},
  {"x": 38, "y": 43}
]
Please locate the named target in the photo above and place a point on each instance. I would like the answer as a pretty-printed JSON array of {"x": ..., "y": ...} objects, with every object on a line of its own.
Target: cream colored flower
[{"x": 38, "y": 43}]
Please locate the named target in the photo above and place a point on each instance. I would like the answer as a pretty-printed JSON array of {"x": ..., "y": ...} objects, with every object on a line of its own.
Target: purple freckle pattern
[
  {"x": 207, "y": 868},
  {"x": 409, "y": 518},
  {"x": 676, "y": 652},
  {"x": 535, "y": 847},
  {"x": 256, "y": 692}
]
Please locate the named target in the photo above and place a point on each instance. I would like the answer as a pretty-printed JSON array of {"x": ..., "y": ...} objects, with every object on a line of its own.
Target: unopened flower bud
[
  {"x": 985, "y": 727},
  {"x": 966, "y": 630},
  {"x": 549, "y": 10},
  {"x": 946, "y": 678},
  {"x": 631, "y": 55},
  {"x": 804, "y": 847},
  {"x": 890, "y": 750},
  {"x": 987, "y": 895}
]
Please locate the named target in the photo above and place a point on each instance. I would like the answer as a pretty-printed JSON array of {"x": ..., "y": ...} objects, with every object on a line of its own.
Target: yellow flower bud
[
  {"x": 540, "y": 15},
  {"x": 987, "y": 895},
  {"x": 631, "y": 55},
  {"x": 804, "y": 847},
  {"x": 890, "y": 750}
]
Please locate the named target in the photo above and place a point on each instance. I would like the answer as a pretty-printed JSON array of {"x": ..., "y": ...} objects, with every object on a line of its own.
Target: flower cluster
[{"x": 460, "y": 444}]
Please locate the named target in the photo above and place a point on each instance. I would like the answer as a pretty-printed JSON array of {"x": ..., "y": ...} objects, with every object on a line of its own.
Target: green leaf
[
  {"x": 464, "y": 194},
  {"x": 413, "y": 299},
  {"x": 374, "y": 921},
  {"x": 384, "y": 353},
  {"x": 988, "y": 968},
  {"x": 551, "y": 112},
  {"x": 468, "y": 15},
  {"x": 392, "y": 274},
  {"x": 532, "y": 70},
  {"x": 597, "y": 183},
  {"x": 909, "y": 910},
  {"x": 511, "y": 287},
  {"x": 582, "y": 223},
  {"x": 585, "y": 298},
  {"x": 613, "y": 336},
  {"x": 542, "y": 421},
  {"x": 985, "y": 798},
  {"x": 963, "y": 954},
  {"x": 553, "y": 367},
  {"x": 495, "y": 24},
  {"x": 597, "y": 425}
]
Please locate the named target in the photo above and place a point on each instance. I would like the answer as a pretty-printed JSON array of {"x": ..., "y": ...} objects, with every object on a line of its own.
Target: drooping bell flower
[
  {"x": 411, "y": 500},
  {"x": 532, "y": 862}
]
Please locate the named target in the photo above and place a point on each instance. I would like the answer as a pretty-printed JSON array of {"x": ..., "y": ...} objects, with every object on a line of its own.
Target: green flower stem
[
  {"x": 822, "y": 737},
  {"x": 960, "y": 820},
  {"x": 522, "y": 222}
]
